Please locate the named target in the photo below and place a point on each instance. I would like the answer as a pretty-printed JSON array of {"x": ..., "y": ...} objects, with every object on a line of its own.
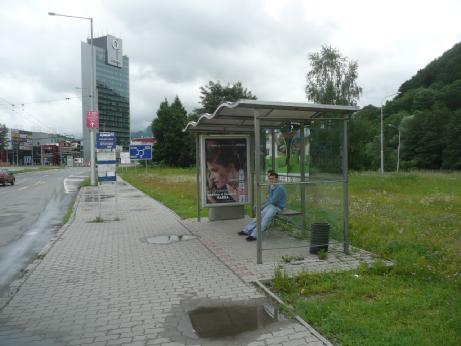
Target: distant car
[{"x": 6, "y": 177}]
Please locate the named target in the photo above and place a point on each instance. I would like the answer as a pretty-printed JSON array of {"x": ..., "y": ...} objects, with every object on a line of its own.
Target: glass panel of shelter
[{"x": 319, "y": 199}]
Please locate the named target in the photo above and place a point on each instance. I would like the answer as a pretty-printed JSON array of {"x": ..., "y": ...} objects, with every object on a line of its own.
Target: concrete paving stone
[
  {"x": 140, "y": 338},
  {"x": 106, "y": 338},
  {"x": 120, "y": 341},
  {"x": 118, "y": 331},
  {"x": 157, "y": 341},
  {"x": 81, "y": 341},
  {"x": 288, "y": 331},
  {"x": 277, "y": 339},
  {"x": 299, "y": 342}
]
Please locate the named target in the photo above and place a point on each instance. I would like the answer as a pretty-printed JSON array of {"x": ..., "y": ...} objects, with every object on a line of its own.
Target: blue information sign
[
  {"x": 141, "y": 152},
  {"x": 105, "y": 140}
]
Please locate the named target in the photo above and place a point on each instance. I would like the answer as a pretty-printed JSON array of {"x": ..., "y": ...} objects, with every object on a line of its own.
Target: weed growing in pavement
[
  {"x": 323, "y": 255},
  {"x": 98, "y": 219},
  {"x": 41, "y": 256},
  {"x": 289, "y": 259}
]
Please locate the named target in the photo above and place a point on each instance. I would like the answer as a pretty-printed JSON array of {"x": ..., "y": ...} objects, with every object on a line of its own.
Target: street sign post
[
  {"x": 125, "y": 158},
  {"x": 92, "y": 120},
  {"x": 141, "y": 152},
  {"x": 107, "y": 166},
  {"x": 105, "y": 140}
]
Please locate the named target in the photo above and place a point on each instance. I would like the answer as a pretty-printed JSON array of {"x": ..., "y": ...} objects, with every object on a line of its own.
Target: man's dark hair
[
  {"x": 270, "y": 171},
  {"x": 273, "y": 174}
]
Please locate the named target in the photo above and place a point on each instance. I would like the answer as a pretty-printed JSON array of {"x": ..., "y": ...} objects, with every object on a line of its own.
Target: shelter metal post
[
  {"x": 273, "y": 149},
  {"x": 198, "y": 169},
  {"x": 259, "y": 259},
  {"x": 345, "y": 190},
  {"x": 252, "y": 175},
  {"x": 302, "y": 187}
]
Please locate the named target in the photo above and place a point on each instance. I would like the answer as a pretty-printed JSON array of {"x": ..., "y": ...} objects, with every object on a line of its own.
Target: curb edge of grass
[{"x": 296, "y": 316}]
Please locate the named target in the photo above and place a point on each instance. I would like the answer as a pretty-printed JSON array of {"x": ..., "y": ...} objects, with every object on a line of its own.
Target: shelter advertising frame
[{"x": 225, "y": 170}]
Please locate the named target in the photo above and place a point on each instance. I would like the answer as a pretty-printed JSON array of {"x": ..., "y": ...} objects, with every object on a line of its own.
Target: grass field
[{"x": 411, "y": 218}]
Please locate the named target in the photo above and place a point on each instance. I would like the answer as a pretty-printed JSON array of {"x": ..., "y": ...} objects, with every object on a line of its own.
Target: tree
[
  {"x": 423, "y": 138},
  {"x": 173, "y": 146},
  {"x": 452, "y": 151},
  {"x": 213, "y": 94},
  {"x": 3, "y": 136},
  {"x": 332, "y": 78}
]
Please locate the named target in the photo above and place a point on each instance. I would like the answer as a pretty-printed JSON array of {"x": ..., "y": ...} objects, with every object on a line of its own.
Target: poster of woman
[{"x": 225, "y": 168}]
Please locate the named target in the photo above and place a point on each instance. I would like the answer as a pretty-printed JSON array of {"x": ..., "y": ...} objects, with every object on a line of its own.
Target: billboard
[
  {"x": 21, "y": 140},
  {"x": 225, "y": 170}
]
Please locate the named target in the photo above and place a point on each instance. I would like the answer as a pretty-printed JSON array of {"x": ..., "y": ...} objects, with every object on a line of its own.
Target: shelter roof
[{"x": 239, "y": 116}]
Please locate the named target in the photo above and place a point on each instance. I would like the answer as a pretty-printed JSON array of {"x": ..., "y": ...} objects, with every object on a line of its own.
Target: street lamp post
[
  {"x": 93, "y": 105},
  {"x": 382, "y": 135}
]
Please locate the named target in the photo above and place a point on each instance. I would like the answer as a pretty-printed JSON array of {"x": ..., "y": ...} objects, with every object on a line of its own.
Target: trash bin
[{"x": 320, "y": 235}]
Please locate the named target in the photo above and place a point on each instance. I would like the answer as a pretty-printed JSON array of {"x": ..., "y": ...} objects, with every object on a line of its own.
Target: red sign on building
[{"x": 92, "y": 120}]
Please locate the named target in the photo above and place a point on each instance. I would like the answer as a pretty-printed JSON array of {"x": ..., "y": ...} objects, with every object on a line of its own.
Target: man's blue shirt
[{"x": 277, "y": 196}]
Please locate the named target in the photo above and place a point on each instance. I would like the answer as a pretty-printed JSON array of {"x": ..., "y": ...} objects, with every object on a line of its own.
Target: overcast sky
[{"x": 176, "y": 46}]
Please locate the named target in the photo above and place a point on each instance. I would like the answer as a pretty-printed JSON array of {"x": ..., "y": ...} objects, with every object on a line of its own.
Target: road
[{"x": 30, "y": 212}]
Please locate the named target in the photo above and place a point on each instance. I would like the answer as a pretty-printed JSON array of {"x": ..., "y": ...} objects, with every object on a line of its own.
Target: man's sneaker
[
  {"x": 242, "y": 233},
  {"x": 250, "y": 238}
]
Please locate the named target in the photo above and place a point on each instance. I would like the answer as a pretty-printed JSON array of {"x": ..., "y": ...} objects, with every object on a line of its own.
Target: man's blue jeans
[{"x": 267, "y": 214}]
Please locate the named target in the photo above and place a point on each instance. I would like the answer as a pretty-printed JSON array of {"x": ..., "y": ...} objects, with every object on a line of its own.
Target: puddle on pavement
[
  {"x": 230, "y": 320},
  {"x": 168, "y": 239}
]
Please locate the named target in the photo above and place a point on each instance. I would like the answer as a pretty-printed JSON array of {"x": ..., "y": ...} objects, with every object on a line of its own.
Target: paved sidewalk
[
  {"x": 106, "y": 284},
  {"x": 221, "y": 238}
]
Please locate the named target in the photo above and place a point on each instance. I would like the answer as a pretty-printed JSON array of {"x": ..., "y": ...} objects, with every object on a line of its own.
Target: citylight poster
[{"x": 225, "y": 170}]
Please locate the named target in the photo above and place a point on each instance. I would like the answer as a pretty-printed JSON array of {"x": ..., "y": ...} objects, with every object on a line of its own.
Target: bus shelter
[{"x": 306, "y": 144}]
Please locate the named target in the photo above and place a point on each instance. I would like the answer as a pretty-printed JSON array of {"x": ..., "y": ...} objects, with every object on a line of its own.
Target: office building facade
[{"x": 112, "y": 96}]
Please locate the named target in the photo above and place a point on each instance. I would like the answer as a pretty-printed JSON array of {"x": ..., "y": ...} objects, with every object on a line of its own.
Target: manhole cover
[{"x": 168, "y": 239}]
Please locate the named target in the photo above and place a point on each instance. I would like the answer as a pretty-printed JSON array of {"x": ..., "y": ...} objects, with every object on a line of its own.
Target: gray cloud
[{"x": 176, "y": 46}]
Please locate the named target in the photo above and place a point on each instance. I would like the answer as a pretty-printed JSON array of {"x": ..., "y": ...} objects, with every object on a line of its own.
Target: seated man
[{"x": 275, "y": 203}]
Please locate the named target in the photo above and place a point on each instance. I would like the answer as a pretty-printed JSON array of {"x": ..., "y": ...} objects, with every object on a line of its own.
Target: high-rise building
[{"x": 112, "y": 98}]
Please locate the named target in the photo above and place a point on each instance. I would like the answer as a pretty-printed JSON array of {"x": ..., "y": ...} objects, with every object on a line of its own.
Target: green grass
[
  {"x": 412, "y": 218},
  {"x": 174, "y": 187}
]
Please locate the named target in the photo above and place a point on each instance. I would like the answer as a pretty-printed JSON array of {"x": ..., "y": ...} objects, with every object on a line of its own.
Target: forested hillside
[{"x": 426, "y": 112}]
